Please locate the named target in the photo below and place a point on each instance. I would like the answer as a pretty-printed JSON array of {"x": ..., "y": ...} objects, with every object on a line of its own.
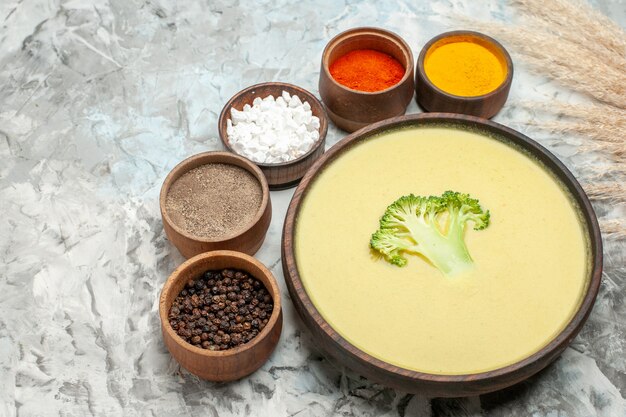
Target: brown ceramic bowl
[
  {"x": 248, "y": 240},
  {"x": 285, "y": 174},
  {"x": 350, "y": 109},
  {"x": 431, "y": 98},
  {"x": 231, "y": 364},
  {"x": 347, "y": 354}
]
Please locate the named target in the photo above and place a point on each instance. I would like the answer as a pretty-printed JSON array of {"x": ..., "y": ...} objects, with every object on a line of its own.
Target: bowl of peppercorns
[{"x": 221, "y": 315}]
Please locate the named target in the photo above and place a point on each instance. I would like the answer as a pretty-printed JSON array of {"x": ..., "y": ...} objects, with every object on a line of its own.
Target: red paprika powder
[{"x": 367, "y": 70}]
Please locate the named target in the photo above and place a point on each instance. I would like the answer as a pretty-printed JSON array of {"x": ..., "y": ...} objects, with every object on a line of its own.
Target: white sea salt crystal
[
  {"x": 229, "y": 127},
  {"x": 282, "y": 147},
  {"x": 237, "y": 116},
  {"x": 273, "y": 129},
  {"x": 266, "y": 139},
  {"x": 252, "y": 116},
  {"x": 266, "y": 106},
  {"x": 257, "y": 155},
  {"x": 299, "y": 117},
  {"x": 295, "y": 101}
]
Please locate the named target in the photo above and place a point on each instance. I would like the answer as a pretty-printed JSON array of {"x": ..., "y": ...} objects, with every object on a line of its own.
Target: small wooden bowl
[
  {"x": 433, "y": 99},
  {"x": 350, "y": 109},
  {"x": 248, "y": 240},
  {"x": 231, "y": 364},
  {"x": 285, "y": 174}
]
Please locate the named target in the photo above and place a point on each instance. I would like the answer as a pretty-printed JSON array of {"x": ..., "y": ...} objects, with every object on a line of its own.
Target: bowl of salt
[{"x": 278, "y": 126}]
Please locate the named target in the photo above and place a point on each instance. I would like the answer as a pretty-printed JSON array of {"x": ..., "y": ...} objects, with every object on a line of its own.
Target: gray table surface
[{"x": 99, "y": 99}]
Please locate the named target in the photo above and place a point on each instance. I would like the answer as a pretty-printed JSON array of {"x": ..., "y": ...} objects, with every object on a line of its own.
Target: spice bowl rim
[
  {"x": 178, "y": 274},
  {"x": 182, "y": 168},
  {"x": 360, "y": 30},
  {"x": 508, "y": 79},
  {"x": 292, "y": 89}
]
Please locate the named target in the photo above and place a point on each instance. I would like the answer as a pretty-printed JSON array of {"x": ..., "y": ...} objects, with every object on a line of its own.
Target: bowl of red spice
[
  {"x": 366, "y": 76},
  {"x": 221, "y": 315},
  {"x": 213, "y": 201}
]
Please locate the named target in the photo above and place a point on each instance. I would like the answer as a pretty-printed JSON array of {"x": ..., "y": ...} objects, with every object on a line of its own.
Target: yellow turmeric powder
[{"x": 462, "y": 67}]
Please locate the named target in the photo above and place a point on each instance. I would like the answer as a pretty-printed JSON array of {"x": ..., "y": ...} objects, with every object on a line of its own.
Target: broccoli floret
[{"x": 432, "y": 227}]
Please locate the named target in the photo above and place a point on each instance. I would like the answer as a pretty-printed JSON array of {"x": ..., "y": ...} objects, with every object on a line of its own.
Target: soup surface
[{"x": 530, "y": 263}]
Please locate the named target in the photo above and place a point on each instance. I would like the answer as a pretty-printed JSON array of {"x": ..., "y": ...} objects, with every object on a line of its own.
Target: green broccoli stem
[{"x": 448, "y": 253}]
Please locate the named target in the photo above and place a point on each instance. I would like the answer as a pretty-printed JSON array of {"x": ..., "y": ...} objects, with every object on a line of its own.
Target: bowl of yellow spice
[{"x": 463, "y": 72}]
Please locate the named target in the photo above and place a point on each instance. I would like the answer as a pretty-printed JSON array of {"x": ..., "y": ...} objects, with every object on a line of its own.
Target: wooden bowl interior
[
  {"x": 496, "y": 50},
  {"x": 413, "y": 381},
  {"x": 247, "y": 96},
  {"x": 217, "y": 260},
  {"x": 468, "y": 36},
  {"x": 367, "y": 39},
  {"x": 212, "y": 158}
]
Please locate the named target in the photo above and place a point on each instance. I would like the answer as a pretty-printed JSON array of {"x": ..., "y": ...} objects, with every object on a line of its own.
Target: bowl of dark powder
[
  {"x": 221, "y": 315},
  {"x": 215, "y": 200}
]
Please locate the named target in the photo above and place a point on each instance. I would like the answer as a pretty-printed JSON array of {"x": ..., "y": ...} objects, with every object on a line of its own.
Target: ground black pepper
[
  {"x": 214, "y": 200},
  {"x": 221, "y": 310}
]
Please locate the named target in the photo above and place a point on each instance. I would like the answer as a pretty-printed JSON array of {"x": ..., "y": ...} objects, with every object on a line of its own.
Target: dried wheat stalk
[
  {"x": 579, "y": 47},
  {"x": 602, "y": 172},
  {"x": 601, "y": 126},
  {"x": 570, "y": 64},
  {"x": 600, "y": 115},
  {"x": 610, "y": 191},
  {"x": 591, "y": 130},
  {"x": 617, "y": 151},
  {"x": 585, "y": 51},
  {"x": 613, "y": 229},
  {"x": 578, "y": 23}
]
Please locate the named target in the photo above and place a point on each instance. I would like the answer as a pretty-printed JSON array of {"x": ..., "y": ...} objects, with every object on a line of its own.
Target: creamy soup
[{"x": 530, "y": 264}]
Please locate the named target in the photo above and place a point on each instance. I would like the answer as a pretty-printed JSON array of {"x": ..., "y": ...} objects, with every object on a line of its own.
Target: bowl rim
[
  {"x": 291, "y": 89},
  {"x": 504, "y": 85},
  {"x": 178, "y": 272},
  {"x": 382, "y": 34},
  {"x": 396, "y": 374},
  {"x": 182, "y": 167}
]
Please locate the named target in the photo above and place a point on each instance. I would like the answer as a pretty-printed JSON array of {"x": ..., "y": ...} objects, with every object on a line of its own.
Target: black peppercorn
[{"x": 220, "y": 309}]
